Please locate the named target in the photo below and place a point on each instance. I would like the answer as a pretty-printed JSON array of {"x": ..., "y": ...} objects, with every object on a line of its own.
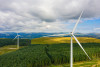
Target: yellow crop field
[{"x": 55, "y": 40}]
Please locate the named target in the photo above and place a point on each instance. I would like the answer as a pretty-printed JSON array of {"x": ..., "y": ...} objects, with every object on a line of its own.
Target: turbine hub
[{"x": 71, "y": 33}]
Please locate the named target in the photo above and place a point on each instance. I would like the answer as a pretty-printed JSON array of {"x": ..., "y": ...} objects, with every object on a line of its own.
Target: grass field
[
  {"x": 9, "y": 48},
  {"x": 93, "y": 63}
]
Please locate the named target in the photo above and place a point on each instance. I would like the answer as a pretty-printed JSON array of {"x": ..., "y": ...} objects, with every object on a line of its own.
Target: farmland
[{"x": 53, "y": 51}]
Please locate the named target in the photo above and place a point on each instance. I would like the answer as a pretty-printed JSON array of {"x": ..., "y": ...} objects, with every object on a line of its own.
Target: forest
[
  {"x": 8, "y": 41},
  {"x": 42, "y": 55}
]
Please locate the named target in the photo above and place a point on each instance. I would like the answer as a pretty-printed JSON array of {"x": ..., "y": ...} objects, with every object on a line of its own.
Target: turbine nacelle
[{"x": 71, "y": 34}]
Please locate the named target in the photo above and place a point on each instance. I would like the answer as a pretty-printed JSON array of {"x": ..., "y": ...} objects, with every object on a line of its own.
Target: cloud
[
  {"x": 44, "y": 15},
  {"x": 96, "y": 28}
]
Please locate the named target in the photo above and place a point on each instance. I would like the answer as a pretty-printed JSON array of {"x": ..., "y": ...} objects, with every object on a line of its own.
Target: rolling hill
[{"x": 56, "y": 40}]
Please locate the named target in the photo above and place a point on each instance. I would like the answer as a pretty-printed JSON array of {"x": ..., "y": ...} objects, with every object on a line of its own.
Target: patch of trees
[{"x": 23, "y": 42}]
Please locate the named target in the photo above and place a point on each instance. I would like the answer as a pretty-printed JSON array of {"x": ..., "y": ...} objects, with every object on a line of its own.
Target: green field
[{"x": 53, "y": 52}]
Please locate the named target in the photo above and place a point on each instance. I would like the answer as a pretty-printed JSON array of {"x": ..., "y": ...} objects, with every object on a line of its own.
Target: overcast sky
[{"x": 49, "y": 15}]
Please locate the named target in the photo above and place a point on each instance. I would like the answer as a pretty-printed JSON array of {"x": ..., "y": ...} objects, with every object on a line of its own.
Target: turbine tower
[
  {"x": 17, "y": 36},
  {"x": 71, "y": 47}
]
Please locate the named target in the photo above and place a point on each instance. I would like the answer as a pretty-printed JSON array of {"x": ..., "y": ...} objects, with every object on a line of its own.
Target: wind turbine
[
  {"x": 17, "y": 36},
  {"x": 71, "y": 47}
]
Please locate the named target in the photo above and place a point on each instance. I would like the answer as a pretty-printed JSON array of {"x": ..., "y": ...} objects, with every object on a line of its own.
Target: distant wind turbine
[
  {"x": 17, "y": 36},
  {"x": 71, "y": 47}
]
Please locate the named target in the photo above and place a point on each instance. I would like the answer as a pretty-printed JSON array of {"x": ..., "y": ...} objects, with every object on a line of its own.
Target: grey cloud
[
  {"x": 30, "y": 14},
  {"x": 53, "y": 9}
]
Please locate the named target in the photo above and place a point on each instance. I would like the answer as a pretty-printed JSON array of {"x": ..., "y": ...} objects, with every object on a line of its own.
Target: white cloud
[
  {"x": 96, "y": 28},
  {"x": 44, "y": 15}
]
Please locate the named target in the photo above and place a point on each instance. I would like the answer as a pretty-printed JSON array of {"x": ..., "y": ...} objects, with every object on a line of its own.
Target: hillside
[
  {"x": 42, "y": 54},
  {"x": 56, "y": 40}
]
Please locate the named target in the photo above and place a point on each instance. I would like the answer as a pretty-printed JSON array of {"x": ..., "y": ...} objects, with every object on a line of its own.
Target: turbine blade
[
  {"x": 57, "y": 35},
  {"x": 81, "y": 46},
  {"x": 77, "y": 22},
  {"x": 15, "y": 37}
]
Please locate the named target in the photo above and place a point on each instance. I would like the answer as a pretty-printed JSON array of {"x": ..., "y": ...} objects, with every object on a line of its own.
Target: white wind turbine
[
  {"x": 17, "y": 36},
  {"x": 71, "y": 47}
]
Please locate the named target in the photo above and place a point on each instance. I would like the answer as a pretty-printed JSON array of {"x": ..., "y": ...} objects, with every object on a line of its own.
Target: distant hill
[
  {"x": 42, "y": 34},
  {"x": 24, "y": 35}
]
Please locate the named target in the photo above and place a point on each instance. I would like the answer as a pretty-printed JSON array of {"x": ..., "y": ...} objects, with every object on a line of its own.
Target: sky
[{"x": 49, "y": 15}]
